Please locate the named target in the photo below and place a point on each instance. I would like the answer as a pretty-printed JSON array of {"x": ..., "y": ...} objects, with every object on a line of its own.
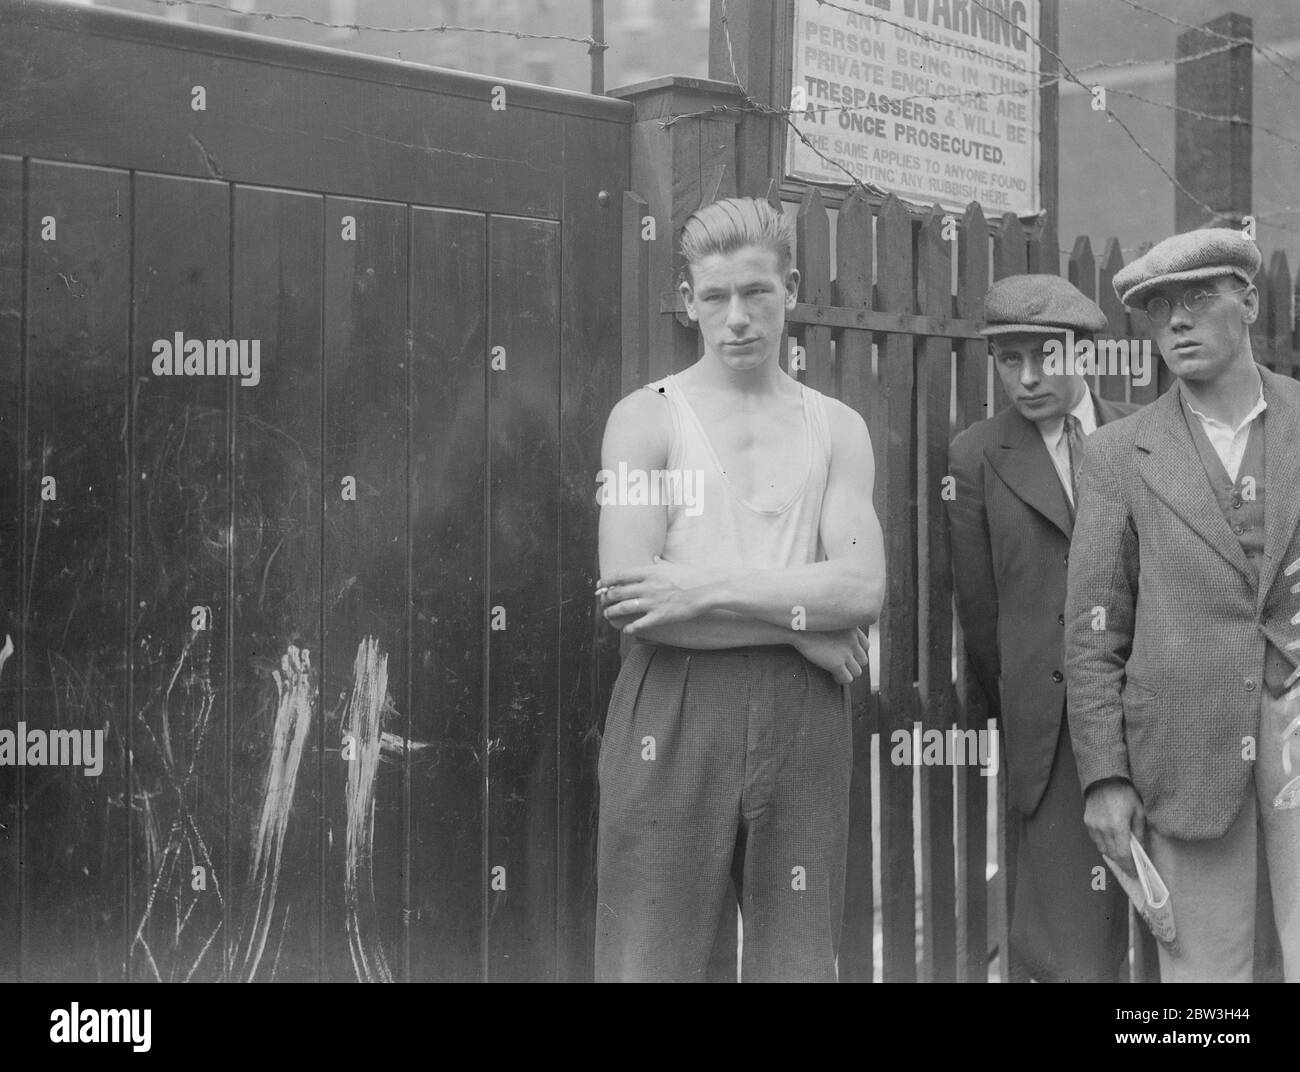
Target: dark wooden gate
[{"x": 406, "y": 493}]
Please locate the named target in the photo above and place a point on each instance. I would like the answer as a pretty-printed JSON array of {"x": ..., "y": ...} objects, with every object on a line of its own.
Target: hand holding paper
[
  {"x": 1149, "y": 894},
  {"x": 1113, "y": 814}
]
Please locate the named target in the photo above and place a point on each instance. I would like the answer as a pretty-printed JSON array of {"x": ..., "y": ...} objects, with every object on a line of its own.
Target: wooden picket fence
[{"x": 885, "y": 330}]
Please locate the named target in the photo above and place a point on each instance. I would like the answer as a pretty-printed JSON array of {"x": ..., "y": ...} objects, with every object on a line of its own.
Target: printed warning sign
[{"x": 933, "y": 100}]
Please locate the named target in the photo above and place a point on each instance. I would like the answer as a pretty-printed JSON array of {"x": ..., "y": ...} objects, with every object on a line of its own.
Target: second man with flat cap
[{"x": 1010, "y": 526}]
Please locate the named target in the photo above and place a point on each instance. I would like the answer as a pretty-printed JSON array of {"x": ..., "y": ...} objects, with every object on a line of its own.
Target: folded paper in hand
[{"x": 1149, "y": 895}]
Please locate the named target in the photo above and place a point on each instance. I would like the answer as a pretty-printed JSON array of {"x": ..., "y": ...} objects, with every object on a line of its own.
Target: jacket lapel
[
  {"x": 1171, "y": 466},
  {"x": 1281, "y": 471},
  {"x": 1022, "y": 462}
]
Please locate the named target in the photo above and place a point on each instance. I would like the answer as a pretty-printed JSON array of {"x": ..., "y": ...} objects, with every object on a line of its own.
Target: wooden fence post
[
  {"x": 749, "y": 46},
  {"x": 1212, "y": 158},
  {"x": 896, "y": 506},
  {"x": 680, "y": 158},
  {"x": 853, "y": 289},
  {"x": 934, "y": 393},
  {"x": 972, "y": 406}
]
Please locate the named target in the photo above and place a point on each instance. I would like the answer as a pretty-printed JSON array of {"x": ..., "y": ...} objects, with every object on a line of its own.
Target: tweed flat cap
[
  {"x": 1185, "y": 258},
  {"x": 1038, "y": 304}
]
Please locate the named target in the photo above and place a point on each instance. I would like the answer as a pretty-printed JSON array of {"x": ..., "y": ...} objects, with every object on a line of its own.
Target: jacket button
[
  {"x": 1058, "y": 677},
  {"x": 1250, "y": 685},
  {"x": 1060, "y": 619}
]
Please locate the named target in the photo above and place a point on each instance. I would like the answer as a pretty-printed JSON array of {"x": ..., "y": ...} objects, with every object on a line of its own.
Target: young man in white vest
[{"x": 728, "y": 745}]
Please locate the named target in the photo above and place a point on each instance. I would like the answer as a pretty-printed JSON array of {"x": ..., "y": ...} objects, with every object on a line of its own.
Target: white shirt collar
[
  {"x": 1259, "y": 407},
  {"x": 1052, "y": 430}
]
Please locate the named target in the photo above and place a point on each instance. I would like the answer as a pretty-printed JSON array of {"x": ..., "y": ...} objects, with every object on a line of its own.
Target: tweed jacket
[
  {"x": 1165, "y": 622},
  {"x": 1009, "y": 532}
]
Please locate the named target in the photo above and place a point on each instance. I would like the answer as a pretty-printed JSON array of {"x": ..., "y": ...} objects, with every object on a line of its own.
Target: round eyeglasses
[{"x": 1159, "y": 310}]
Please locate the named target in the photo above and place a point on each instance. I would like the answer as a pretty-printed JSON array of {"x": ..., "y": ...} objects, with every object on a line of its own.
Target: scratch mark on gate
[{"x": 362, "y": 721}]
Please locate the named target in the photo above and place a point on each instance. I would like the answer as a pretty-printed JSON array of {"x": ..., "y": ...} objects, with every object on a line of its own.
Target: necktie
[{"x": 1074, "y": 442}]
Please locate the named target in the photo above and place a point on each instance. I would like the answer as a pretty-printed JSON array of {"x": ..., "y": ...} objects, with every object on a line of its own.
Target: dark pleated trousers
[{"x": 719, "y": 767}]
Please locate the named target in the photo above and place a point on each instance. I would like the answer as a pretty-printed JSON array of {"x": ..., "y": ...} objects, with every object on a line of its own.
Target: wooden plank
[
  {"x": 813, "y": 257},
  {"x": 972, "y": 284},
  {"x": 1117, "y": 321},
  {"x": 1049, "y": 121},
  {"x": 92, "y": 23},
  {"x": 1044, "y": 256},
  {"x": 1083, "y": 274},
  {"x": 13, "y": 509},
  {"x": 431, "y": 137},
  {"x": 1261, "y": 330},
  {"x": 853, "y": 287},
  {"x": 636, "y": 296},
  {"x": 276, "y": 488},
  {"x": 523, "y": 460},
  {"x": 934, "y": 394},
  {"x": 588, "y": 386},
  {"x": 180, "y": 562},
  {"x": 972, "y": 790},
  {"x": 1083, "y": 267},
  {"x": 1008, "y": 259},
  {"x": 366, "y": 586},
  {"x": 1010, "y": 248},
  {"x": 837, "y": 316},
  {"x": 1125, "y": 324},
  {"x": 896, "y": 506},
  {"x": 753, "y": 59},
  {"x": 448, "y": 513},
  {"x": 76, "y": 573},
  {"x": 1295, "y": 332},
  {"x": 1282, "y": 316}
]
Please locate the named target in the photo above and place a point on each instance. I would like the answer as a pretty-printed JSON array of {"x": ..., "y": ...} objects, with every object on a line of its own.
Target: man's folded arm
[
  {"x": 637, "y": 433},
  {"x": 847, "y": 588},
  {"x": 974, "y": 584},
  {"x": 1100, "y": 602}
]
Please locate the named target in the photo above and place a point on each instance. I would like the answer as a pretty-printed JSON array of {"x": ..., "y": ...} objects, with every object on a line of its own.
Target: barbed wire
[
  {"x": 764, "y": 109},
  {"x": 1207, "y": 115},
  {"x": 1045, "y": 81},
  {"x": 1235, "y": 41},
  {"x": 752, "y": 106},
  {"x": 965, "y": 95},
  {"x": 272, "y": 16},
  {"x": 1071, "y": 76},
  {"x": 1164, "y": 61}
]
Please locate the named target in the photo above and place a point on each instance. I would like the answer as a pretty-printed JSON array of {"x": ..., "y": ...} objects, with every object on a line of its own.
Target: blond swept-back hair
[{"x": 731, "y": 224}]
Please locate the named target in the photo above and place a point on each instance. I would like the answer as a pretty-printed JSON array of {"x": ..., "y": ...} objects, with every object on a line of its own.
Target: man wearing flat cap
[
  {"x": 1182, "y": 623},
  {"x": 1011, "y": 518}
]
